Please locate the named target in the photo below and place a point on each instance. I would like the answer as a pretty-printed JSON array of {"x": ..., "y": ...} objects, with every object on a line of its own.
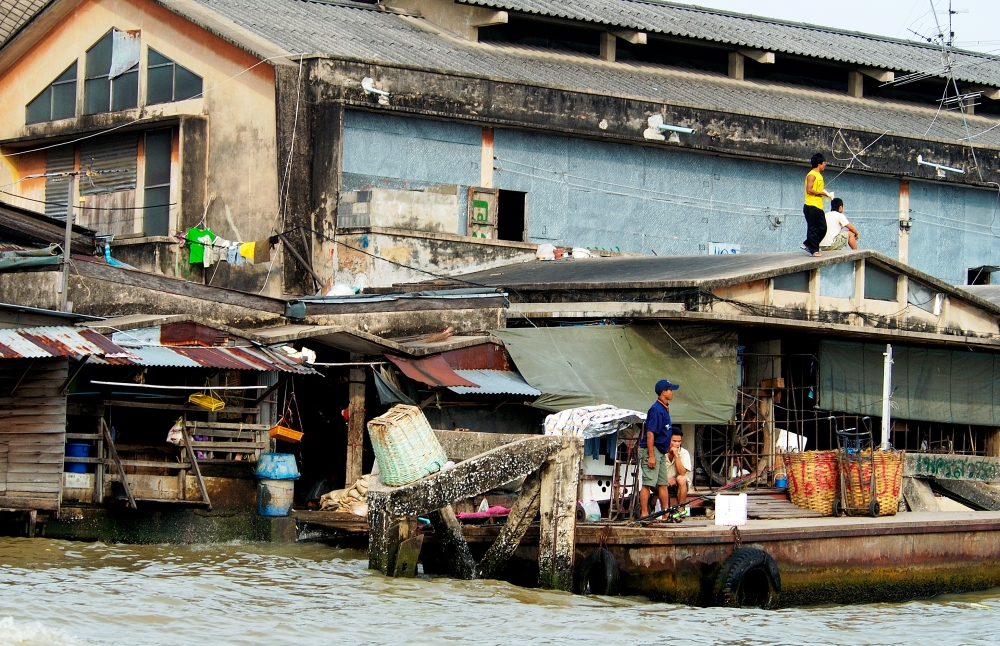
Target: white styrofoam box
[
  {"x": 790, "y": 441},
  {"x": 731, "y": 509},
  {"x": 78, "y": 480},
  {"x": 595, "y": 487},
  {"x": 591, "y": 467}
]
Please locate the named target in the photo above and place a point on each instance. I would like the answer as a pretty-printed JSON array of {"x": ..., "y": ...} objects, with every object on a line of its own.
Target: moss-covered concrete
[{"x": 159, "y": 525}]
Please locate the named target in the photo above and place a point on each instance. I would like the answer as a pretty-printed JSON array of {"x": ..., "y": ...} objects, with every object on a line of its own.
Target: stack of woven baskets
[
  {"x": 814, "y": 480},
  {"x": 406, "y": 448}
]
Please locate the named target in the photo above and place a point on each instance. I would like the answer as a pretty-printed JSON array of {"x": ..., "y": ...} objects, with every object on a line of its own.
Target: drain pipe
[{"x": 886, "y": 391}]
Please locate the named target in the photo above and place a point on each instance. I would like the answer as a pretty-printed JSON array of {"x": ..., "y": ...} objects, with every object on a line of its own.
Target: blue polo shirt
[{"x": 658, "y": 421}]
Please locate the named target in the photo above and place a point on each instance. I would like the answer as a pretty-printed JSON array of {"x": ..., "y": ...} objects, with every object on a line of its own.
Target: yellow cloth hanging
[{"x": 247, "y": 250}]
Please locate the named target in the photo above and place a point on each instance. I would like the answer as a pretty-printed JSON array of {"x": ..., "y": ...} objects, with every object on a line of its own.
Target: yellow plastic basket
[
  {"x": 284, "y": 433},
  {"x": 209, "y": 402}
]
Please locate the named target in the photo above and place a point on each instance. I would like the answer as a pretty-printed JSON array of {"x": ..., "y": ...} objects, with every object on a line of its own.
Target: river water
[{"x": 57, "y": 592}]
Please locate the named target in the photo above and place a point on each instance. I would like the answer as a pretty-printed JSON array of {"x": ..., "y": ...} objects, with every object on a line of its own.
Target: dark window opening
[
  {"x": 101, "y": 93},
  {"x": 512, "y": 215},
  {"x": 548, "y": 35},
  {"x": 57, "y": 101},
  {"x": 798, "y": 71},
  {"x": 880, "y": 285},
  {"x": 797, "y": 282},
  {"x": 156, "y": 194},
  {"x": 980, "y": 275},
  {"x": 926, "y": 92},
  {"x": 684, "y": 55},
  {"x": 167, "y": 81}
]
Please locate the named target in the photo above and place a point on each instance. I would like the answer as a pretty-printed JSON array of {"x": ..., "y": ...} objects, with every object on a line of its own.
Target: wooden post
[
  {"x": 355, "y": 422},
  {"x": 993, "y": 443},
  {"x": 448, "y": 534},
  {"x": 521, "y": 515},
  {"x": 557, "y": 536},
  {"x": 32, "y": 520},
  {"x": 99, "y": 468}
]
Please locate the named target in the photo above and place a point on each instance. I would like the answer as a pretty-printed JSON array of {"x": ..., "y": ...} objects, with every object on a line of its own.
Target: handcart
[{"x": 855, "y": 453}]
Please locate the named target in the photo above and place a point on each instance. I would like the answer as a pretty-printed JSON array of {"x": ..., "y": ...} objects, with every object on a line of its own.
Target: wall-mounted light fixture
[
  {"x": 940, "y": 169},
  {"x": 905, "y": 225},
  {"x": 656, "y": 127},
  {"x": 368, "y": 85}
]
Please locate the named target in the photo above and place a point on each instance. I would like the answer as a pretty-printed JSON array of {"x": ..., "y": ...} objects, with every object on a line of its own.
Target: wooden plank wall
[{"x": 32, "y": 432}]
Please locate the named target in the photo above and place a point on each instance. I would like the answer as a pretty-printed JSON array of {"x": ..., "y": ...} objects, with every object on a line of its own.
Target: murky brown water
[{"x": 56, "y": 592}]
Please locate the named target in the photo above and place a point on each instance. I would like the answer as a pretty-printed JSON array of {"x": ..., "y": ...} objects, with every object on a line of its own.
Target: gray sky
[{"x": 975, "y": 28}]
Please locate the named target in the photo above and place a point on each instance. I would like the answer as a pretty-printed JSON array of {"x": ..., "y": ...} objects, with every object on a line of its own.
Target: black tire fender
[
  {"x": 598, "y": 574},
  {"x": 749, "y": 578}
]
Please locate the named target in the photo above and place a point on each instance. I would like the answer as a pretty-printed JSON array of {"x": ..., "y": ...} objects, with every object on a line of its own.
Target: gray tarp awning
[
  {"x": 611, "y": 364},
  {"x": 928, "y": 384}
]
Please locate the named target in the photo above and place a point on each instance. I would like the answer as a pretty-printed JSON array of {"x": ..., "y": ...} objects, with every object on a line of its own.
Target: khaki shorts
[
  {"x": 838, "y": 243},
  {"x": 659, "y": 475}
]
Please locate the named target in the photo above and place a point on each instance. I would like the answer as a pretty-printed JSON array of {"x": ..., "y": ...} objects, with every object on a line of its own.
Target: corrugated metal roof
[
  {"x": 14, "y": 13},
  {"x": 433, "y": 371},
  {"x": 356, "y": 33},
  {"x": 54, "y": 341},
  {"x": 495, "y": 382},
  {"x": 743, "y": 30},
  {"x": 222, "y": 358}
]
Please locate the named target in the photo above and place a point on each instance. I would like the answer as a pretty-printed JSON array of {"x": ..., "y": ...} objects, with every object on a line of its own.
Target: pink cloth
[{"x": 492, "y": 511}]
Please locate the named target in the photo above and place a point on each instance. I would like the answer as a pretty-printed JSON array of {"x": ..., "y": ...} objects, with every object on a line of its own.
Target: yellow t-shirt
[{"x": 815, "y": 200}]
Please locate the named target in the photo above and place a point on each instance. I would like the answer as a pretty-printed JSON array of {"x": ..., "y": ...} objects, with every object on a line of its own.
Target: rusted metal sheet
[
  {"x": 485, "y": 356},
  {"x": 190, "y": 333},
  {"x": 55, "y": 341},
  {"x": 221, "y": 358},
  {"x": 433, "y": 371}
]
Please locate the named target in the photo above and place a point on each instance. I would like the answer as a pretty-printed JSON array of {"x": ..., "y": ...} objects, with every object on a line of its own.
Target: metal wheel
[
  {"x": 874, "y": 508},
  {"x": 838, "y": 510},
  {"x": 729, "y": 452}
]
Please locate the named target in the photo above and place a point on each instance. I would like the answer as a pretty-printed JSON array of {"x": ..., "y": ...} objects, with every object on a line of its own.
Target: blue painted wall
[{"x": 643, "y": 199}]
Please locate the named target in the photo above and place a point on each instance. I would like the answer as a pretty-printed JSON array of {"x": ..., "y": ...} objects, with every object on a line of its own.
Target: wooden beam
[
  {"x": 518, "y": 520},
  {"x": 113, "y": 452},
  {"x": 466, "y": 479},
  {"x": 560, "y": 478},
  {"x": 196, "y": 468},
  {"x": 72, "y": 375},
  {"x": 355, "y": 423},
  {"x": 407, "y": 556},
  {"x": 267, "y": 393},
  {"x": 454, "y": 549},
  {"x": 758, "y": 55}
]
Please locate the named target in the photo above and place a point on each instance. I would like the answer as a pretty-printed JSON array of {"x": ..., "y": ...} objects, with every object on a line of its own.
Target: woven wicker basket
[
  {"x": 813, "y": 479},
  {"x": 405, "y": 446},
  {"x": 888, "y": 482}
]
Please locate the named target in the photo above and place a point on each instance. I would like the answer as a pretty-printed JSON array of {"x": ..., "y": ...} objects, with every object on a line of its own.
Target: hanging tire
[
  {"x": 598, "y": 574},
  {"x": 749, "y": 578}
]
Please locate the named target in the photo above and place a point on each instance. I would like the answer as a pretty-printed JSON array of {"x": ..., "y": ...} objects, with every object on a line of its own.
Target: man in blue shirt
[{"x": 656, "y": 435}]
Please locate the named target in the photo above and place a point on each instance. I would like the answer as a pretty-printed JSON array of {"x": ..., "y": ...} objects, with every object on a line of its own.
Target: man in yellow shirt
[{"x": 813, "y": 208}]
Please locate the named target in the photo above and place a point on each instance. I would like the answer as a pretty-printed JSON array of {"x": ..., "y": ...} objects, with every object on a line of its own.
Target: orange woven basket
[
  {"x": 813, "y": 479},
  {"x": 888, "y": 481}
]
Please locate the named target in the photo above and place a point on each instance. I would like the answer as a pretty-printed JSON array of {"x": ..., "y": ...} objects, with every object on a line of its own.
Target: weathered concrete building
[{"x": 386, "y": 140}]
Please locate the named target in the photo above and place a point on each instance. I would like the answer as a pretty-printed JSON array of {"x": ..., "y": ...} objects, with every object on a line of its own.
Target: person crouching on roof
[{"x": 654, "y": 444}]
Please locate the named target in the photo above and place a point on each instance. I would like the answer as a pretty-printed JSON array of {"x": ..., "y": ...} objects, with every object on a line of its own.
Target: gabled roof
[
  {"x": 680, "y": 272},
  {"x": 744, "y": 30},
  {"x": 15, "y": 13}
]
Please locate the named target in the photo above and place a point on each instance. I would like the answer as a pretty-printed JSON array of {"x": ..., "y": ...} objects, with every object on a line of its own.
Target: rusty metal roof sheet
[
  {"x": 223, "y": 358},
  {"x": 433, "y": 371},
  {"x": 495, "y": 382},
  {"x": 55, "y": 341}
]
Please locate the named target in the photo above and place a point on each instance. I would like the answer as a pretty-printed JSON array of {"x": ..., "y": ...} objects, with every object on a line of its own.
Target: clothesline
[{"x": 208, "y": 248}]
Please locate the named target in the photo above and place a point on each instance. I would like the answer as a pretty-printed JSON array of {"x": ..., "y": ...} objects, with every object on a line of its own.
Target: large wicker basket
[
  {"x": 813, "y": 479},
  {"x": 888, "y": 481},
  {"x": 405, "y": 446}
]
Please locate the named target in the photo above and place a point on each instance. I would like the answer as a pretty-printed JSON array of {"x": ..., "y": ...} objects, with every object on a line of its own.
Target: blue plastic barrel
[
  {"x": 77, "y": 450},
  {"x": 277, "y": 466},
  {"x": 274, "y": 497}
]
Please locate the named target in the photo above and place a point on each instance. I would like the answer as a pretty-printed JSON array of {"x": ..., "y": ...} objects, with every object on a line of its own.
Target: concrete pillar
[
  {"x": 855, "y": 84},
  {"x": 609, "y": 44},
  {"x": 557, "y": 534},
  {"x": 486, "y": 159},
  {"x": 736, "y": 65}
]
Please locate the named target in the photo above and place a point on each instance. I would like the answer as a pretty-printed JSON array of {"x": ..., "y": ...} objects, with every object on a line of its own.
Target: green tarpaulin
[
  {"x": 928, "y": 384},
  {"x": 611, "y": 364}
]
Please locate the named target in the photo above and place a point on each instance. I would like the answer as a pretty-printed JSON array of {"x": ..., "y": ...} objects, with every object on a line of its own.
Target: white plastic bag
[{"x": 175, "y": 434}]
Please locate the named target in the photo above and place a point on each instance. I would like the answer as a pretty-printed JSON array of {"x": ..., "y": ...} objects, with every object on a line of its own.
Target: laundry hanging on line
[{"x": 207, "y": 249}]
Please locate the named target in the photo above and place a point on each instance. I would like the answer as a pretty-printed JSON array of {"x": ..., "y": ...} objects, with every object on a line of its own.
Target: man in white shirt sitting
[
  {"x": 839, "y": 231},
  {"x": 680, "y": 473}
]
